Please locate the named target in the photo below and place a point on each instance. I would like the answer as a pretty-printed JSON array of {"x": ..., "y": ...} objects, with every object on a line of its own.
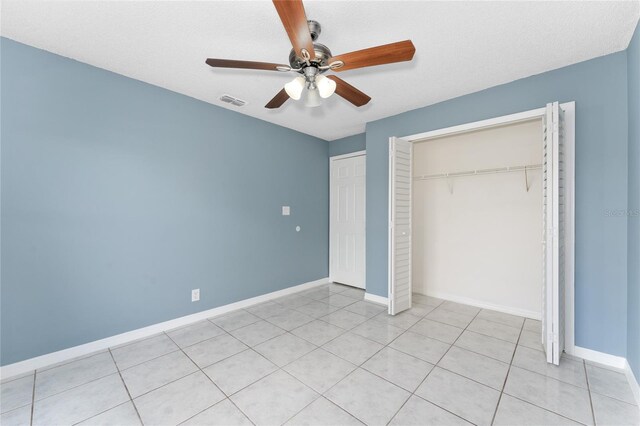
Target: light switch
[{"x": 286, "y": 210}]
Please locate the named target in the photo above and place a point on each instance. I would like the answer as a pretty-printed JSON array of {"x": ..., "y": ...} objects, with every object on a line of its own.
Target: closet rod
[{"x": 509, "y": 169}]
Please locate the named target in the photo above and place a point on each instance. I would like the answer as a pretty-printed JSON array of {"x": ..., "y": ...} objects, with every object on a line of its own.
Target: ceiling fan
[{"x": 311, "y": 60}]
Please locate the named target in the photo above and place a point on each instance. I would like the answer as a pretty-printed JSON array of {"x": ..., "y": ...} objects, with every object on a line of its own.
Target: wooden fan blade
[
  {"x": 349, "y": 92},
  {"x": 379, "y": 55},
  {"x": 231, "y": 63},
  {"x": 295, "y": 22},
  {"x": 277, "y": 100}
]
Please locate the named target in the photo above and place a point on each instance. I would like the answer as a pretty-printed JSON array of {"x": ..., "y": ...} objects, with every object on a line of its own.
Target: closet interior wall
[{"x": 477, "y": 237}]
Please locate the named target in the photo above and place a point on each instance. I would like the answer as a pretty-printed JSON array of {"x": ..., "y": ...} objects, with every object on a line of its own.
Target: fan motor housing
[
  {"x": 322, "y": 57},
  {"x": 322, "y": 52}
]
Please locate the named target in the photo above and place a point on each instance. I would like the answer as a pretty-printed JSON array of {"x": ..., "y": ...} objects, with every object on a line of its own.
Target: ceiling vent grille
[{"x": 231, "y": 100}]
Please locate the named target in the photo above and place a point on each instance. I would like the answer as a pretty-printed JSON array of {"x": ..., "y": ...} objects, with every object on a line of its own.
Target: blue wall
[
  {"x": 633, "y": 220},
  {"x": 348, "y": 145},
  {"x": 599, "y": 87},
  {"x": 119, "y": 197}
]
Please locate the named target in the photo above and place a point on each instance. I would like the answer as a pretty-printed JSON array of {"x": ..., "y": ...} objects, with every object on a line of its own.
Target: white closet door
[
  {"x": 347, "y": 221},
  {"x": 553, "y": 238},
  {"x": 399, "y": 225}
]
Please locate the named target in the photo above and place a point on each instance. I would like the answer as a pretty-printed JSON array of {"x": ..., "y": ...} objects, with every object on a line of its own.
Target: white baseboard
[
  {"x": 480, "y": 304},
  {"x": 635, "y": 387},
  {"x": 600, "y": 357},
  {"x": 376, "y": 299},
  {"x": 31, "y": 364}
]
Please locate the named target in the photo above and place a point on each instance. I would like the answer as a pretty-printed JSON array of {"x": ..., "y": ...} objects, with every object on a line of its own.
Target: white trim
[
  {"x": 600, "y": 357},
  {"x": 633, "y": 382},
  {"x": 480, "y": 304},
  {"x": 374, "y": 298},
  {"x": 348, "y": 155},
  {"x": 477, "y": 125},
  {"x": 390, "y": 230},
  {"x": 31, "y": 364},
  {"x": 569, "y": 109}
]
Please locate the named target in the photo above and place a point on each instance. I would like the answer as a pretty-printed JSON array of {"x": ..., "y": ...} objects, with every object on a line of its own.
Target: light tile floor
[{"x": 326, "y": 357}]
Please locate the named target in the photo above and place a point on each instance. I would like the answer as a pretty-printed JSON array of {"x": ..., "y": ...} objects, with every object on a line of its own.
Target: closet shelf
[{"x": 509, "y": 169}]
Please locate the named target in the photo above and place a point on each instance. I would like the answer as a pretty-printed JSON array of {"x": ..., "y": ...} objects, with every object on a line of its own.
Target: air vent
[{"x": 231, "y": 100}]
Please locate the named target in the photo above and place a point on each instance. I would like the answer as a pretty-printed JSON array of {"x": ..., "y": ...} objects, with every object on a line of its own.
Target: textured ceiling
[{"x": 461, "y": 47}]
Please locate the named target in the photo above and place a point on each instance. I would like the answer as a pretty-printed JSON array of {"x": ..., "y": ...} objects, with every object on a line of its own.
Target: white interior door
[
  {"x": 347, "y": 220},
  {"x": 553, "y": 287},
  {"x": 400, "y": 178}
]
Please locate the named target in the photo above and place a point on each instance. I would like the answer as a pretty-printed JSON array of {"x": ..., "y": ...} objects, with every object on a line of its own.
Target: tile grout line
[
  {"x": 74, "y": 387},
  {"x": 147, "y": 360},
  {"x": 33, "y": 397},
  {"x": 544, "y": 409},
  {"x": 612, "y": 397},
  {"x": 586, "y": 374},
  {"x": 466, "y": 328},
  {"x": 167, "y": 383},
  {"x": 538, "y": 373},
  {"x": 62, "y": 365},
  {"x": 101, "y": 412},
  {"x": 506, "y": 377},
  {"x": 133, "y": 342},
  {"x": 321, "y": 396},
  {"x": 221, "y": 327},
  {"x": 125, "y": 387},
  {"x": 69, "y": 361}
]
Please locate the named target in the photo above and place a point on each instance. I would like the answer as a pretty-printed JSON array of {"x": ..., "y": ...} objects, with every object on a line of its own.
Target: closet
[{"x": 483, "y": 213}]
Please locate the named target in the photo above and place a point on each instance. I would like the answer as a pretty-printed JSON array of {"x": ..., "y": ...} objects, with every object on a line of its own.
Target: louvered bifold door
[
  {"x": 399, "y": 225},
  {"x": 553, "y": 234}
]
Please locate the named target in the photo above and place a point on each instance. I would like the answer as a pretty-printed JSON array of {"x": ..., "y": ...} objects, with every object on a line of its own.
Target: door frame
[
  {"x": 569, "y": 141},
  {"x": 362, "y": 153}
]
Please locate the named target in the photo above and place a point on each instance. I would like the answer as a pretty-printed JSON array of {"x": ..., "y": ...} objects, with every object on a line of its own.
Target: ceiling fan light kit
[
  {"x": 311, "y": 59},
  {"x": 326, "y": 87},
  {"x": 313, "y": 98},
  {"x": 294, "y": 88}
]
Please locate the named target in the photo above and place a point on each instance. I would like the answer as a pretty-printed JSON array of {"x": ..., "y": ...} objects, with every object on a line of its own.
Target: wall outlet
[
  {"x": 195, "y": 295},
  {"x": 286, "y": 210}
]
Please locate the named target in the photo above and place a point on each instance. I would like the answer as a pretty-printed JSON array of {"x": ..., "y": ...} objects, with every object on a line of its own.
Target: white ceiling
[{"x": 461, "y": 47}]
